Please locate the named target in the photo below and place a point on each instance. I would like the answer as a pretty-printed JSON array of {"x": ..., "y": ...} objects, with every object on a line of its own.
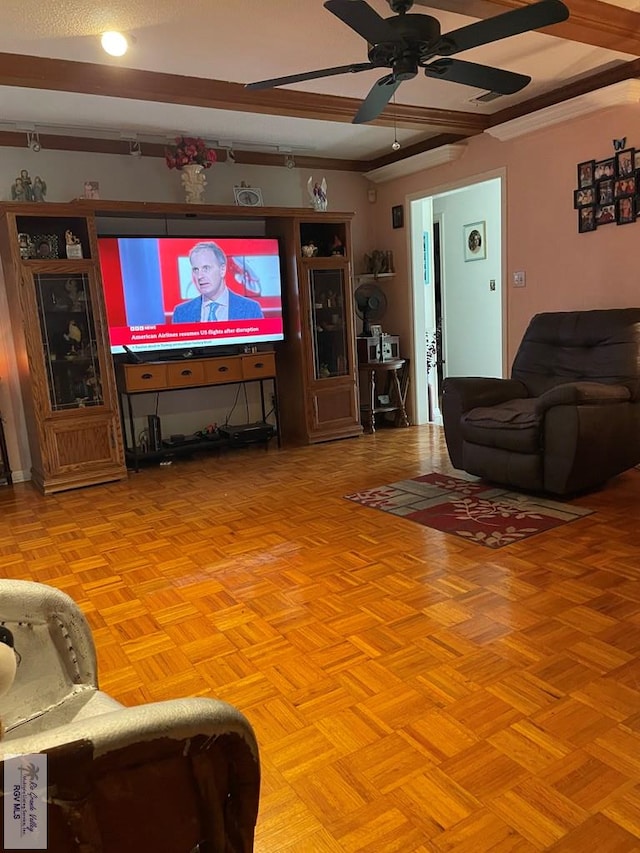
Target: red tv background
[{"x": 142, "y": 279}]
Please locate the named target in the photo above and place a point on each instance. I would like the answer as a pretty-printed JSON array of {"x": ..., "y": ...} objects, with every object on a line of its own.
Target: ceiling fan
[{"x": 407, "y": 42}]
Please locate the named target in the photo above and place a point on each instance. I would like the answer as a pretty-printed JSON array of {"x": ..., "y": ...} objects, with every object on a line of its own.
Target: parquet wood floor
[{"x": 410, "y": 691}]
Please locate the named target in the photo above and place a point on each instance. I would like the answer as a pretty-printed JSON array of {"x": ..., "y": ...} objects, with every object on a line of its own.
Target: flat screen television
[{"x": 159, "y": 293}]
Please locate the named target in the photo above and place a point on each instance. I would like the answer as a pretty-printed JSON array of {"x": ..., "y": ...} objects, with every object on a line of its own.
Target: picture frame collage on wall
[{"x": 608, "y": 190}]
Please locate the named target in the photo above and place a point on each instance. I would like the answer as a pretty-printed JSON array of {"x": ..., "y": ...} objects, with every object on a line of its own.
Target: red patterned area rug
[{"x": 489, "y": 515}]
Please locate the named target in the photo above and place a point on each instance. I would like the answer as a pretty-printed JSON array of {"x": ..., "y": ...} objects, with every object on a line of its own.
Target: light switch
[
  {"x": 492, "y": 284},
  {"x": 519, "y": 279}
]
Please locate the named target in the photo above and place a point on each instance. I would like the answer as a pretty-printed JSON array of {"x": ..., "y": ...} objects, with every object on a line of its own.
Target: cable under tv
[{"x": 247, "y": 433}]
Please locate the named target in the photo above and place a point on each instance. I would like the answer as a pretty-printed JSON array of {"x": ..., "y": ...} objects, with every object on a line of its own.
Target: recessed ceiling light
[{"x": 115, "y": 44}]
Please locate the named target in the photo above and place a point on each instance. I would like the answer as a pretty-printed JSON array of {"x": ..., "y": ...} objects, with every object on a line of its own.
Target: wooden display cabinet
[
  {"x": 317, "y": 362},
  {"x": 66, "y": 372}
]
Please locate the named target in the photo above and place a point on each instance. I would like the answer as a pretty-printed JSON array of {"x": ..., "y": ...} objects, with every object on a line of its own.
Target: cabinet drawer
[
  {"x": 258, "y": 364},
  {"x": 219, "y": 370},
  {"x": 142, "y": 377},
  {"x": 182, "y": 375}
]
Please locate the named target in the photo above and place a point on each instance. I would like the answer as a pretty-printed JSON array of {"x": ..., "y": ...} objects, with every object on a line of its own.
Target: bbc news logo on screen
[{"x": 25, "y": 804}]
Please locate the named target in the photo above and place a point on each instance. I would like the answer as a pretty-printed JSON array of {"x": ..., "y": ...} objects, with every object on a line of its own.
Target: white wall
[
  {"x": 472, "y": 333},
  {"x": 126, "y": 178}
]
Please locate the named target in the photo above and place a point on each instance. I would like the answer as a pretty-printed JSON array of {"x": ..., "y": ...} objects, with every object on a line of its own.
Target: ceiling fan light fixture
[{"x": 114, "y": 43}]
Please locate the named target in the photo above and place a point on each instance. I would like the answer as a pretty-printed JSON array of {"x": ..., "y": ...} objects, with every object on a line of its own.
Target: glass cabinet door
[
  {"x": 69, "y": 340},
  {"x": 328, "y": 323}
]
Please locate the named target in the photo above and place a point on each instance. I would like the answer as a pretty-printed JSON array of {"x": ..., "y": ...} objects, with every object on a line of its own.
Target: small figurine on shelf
[
  {"x": 337, "y": 247},
  {"x": 92, "y": 383},
  {"x": 91, "y": 189},
  {"x": 74, "y": 338},
  {"x": 310, "y": 250},
  {"x": 318, "y": 194},
  {"x": 39, "y": 190},
  {"x": 73, "y": 246},
  {"x": 18, "y": 191},
  {"x": 75, "y": 294}
]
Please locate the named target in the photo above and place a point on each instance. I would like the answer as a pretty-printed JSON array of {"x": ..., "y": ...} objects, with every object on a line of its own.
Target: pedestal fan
[{"x": 371, "y": 305}]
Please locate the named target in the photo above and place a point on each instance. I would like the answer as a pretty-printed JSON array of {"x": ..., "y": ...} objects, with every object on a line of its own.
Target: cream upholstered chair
[{"x": 167, "y": 777}]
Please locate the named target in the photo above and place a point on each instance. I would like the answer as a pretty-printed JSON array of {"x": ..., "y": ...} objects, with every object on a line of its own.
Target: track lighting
[
  {"x": 231, "y": 156},
  {"x": 134, "y": 148},
  {"x": 33, "y": 141},
  {"x": 289, "y": 161}
]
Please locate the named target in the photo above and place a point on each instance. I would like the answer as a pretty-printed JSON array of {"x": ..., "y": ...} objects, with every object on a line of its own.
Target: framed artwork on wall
[
  {"x": 625, "y": 210},
  {"x": 625, "y": 163},
  {"x": 584, "y": 197},
  {"x": 475, "y": 241},
  {"x": 587, "y": 219},
  {"x": 586, "y": 174},
  {"x": 397, "y": 216}
]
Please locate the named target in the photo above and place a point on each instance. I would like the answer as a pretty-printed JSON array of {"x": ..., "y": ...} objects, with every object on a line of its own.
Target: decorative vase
[{"x": 194, "y": 181}]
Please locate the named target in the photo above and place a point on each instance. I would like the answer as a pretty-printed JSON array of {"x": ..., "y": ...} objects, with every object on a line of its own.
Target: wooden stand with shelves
[
  {"x": 161, "y": 377},
  {"x": 317, "y": 362},
  {"x": 58, "y": 324}
]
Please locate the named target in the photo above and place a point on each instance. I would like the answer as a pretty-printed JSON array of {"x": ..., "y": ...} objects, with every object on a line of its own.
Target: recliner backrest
[{"x": 599, "y": 346}]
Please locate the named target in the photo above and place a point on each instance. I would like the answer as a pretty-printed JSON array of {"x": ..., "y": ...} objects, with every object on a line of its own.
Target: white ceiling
[{"x": 248, "y": 40}]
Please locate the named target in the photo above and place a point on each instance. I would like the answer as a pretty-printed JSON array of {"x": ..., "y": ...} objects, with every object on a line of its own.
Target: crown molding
[
  {"x": 417, "y": 163},
  {"x": 620, "y": 94}
]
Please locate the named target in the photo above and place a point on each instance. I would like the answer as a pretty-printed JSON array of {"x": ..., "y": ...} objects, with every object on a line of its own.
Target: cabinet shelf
[{"x": 370, "y": 276}]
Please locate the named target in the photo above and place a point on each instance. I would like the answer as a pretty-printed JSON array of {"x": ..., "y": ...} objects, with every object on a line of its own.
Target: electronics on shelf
[{"x": 146, "y": 278}]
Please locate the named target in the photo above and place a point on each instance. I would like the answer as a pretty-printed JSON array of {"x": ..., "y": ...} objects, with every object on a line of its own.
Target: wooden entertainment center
[{"x": 67, "y": 375}]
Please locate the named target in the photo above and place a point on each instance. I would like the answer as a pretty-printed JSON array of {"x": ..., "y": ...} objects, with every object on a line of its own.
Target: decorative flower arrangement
[{"x": 190, "y": 150}]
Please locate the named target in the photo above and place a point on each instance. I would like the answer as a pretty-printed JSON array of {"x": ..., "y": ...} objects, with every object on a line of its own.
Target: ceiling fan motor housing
[
  {"x": 414, "y": 35},
  {"x": 400, "y": 6}
]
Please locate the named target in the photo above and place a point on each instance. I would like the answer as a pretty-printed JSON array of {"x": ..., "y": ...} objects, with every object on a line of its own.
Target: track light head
[{"x": 33, "y": 141}]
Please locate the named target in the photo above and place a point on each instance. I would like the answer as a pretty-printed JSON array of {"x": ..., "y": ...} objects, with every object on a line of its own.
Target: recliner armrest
[
  {"x": 582, "y": 394},
  {"x": 474, "y": 391}
]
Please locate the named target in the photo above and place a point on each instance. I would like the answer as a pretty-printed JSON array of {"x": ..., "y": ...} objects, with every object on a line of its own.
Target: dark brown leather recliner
[{"x": 569, "y": 416}]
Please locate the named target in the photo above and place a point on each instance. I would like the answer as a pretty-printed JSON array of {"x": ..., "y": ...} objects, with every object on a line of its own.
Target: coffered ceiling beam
[
  {"x": 590, "y": 21},
  {"x": 36, "y": 72}
]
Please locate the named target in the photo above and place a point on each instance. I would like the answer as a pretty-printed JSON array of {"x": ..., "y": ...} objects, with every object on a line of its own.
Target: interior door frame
[{"x": 419, "y": 326}]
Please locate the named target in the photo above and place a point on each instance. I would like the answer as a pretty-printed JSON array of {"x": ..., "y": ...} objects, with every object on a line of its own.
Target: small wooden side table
[
  {"x": 382, "y": 379},
  {"x": 5, "y": 470}
]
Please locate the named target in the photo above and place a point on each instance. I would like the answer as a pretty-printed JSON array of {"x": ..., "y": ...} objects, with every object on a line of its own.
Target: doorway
[{"x": 457, "y": 293}]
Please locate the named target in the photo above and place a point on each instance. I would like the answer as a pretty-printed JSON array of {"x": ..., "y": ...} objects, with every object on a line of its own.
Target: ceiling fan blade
[
  {"x": 479, "y": 76},
  {"x": 512, "y": 23},
  {"x": 379, "y": 96},
  {"x": 363, "y": 19},
  {"x": 311, "y": 75}
]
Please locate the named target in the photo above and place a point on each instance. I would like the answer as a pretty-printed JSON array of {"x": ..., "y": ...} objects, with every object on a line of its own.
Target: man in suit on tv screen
[{"x": 216, "y": 302}]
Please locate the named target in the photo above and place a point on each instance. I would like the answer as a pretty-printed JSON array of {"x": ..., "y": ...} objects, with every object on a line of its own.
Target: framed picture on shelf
[
  {"x": 44, "y": 247},
  {"x": 248, "y": 196},
  {"x": 587, "y": 219},
  {"x": 475, "y": 241},
  {"x": 586, "y": 173},
  {"x": 376, "y": 331}
]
